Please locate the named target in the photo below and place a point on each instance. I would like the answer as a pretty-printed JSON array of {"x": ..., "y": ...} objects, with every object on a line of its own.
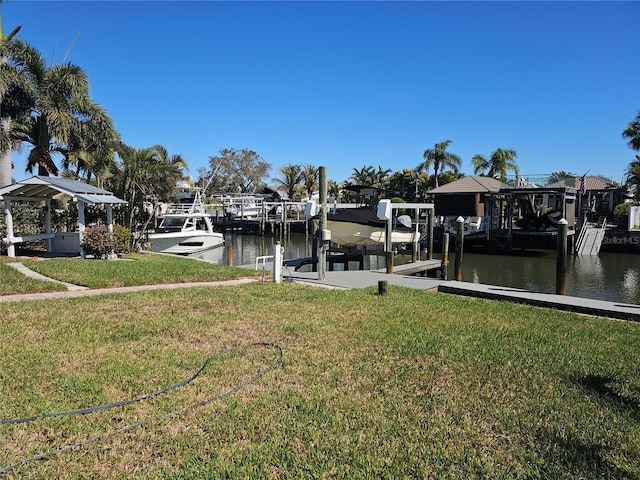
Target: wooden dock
[{"x": 421, "y": 268}]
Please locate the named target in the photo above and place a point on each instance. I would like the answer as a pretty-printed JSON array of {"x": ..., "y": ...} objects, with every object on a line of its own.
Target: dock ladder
[{"x": 590, "y": 238}]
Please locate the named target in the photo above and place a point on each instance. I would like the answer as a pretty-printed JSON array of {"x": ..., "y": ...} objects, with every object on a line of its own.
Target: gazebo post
[
  {"x": 81, "y": 225},
  {"x": 47, "y": 220},
  {"x": 110, "y": 217},
  {"x": 8, "y": 220}
]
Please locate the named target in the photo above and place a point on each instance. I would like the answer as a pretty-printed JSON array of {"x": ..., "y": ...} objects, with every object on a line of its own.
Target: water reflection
[{"x": 608, "y": 276}]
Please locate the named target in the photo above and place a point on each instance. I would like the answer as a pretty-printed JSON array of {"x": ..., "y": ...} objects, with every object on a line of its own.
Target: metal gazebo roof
[{"x": 40, "y": 187}]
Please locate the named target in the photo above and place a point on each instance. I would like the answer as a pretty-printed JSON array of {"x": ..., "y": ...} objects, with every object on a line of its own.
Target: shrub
[
  {"x": 121, "y": 239},
  {"x": 621, "y": 214},
  {"x": 97, "y": 241}
]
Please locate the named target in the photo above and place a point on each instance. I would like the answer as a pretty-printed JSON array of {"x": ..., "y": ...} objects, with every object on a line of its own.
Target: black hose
[{"x": 222, "y": 396}]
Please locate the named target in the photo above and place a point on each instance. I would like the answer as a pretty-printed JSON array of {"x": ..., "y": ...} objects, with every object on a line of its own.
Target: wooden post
[
  {"x": 459, "y": 245},
  {"x": 229, "y": 255},
  {"x": 561, "y": 264},
  {"x": 430, "y": 221},
  {"x": 382, "y": 288},
  {"x": 445, "y": 257}
]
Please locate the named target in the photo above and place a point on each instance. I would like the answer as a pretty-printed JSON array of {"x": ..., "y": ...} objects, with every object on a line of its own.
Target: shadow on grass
[
  {"x": 571, "y": 457},
  {"x": 608, "y": 388}
]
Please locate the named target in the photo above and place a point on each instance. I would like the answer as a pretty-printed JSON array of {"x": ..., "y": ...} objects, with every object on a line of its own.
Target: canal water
[{"x": 608, "y": 276}]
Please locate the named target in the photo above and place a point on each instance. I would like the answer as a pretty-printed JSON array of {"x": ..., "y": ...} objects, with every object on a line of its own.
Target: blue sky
[{"x": 348, "y": 84}]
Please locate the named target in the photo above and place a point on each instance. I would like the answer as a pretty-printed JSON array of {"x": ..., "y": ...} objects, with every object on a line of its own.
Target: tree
[
  {"x": 238, "y": 171},
  {"x": 501, "y": 161},
  {"x": 290, "y": 177},
  {"x": 10, "y": 104},
  {"x": 560, "y": 176},
  {"x": 310, "y": 179},
  {"x": 409, "y": 184},
  {"x": 632, "y": 133},
  {"x": 370, "y": 177},
  {"x": 633, "y": 177},
  {"x": 62, "y": 116},
  {"x": 439, "y": 158}
]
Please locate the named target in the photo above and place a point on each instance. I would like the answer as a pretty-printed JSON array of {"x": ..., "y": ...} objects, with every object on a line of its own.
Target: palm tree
[
  {"x": 310, "y": 179},
  {"x": 633, "y": 177},
  {"x": 364, "y": 176},
  {"x": 91, "y": 150},
  {"x": 439, "y": 158},
  {"x": 11, "y": 105},
  {"x": 62, "y": 116},
  {"x": 290, "y": 178},
  {"x": 501, "y": 160},
  {"x": 134, "y": 178},
  {"x": 632, "y": 132}
]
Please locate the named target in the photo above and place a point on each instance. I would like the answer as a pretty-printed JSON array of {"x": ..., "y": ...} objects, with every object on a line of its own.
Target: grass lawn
[
  {"x": 411, "y": 385},
  {"x": 133, "y": 269},
  {"x": 13, "y": 282}
]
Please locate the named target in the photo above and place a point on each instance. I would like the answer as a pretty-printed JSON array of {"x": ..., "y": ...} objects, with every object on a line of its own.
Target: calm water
[{"x": 608, "y": 276}]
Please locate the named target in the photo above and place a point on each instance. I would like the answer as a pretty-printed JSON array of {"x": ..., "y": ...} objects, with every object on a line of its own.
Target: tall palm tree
[
  {"x": 11, "y": 105},
  {"x": 61, "y": 111},
  {"x": 439, "y": 158},
  {"x": 310, "y": 178},
  {"x": 632, "y": 133},
  {"x": 501, "y": 161},
  {"x": 290, "y": 178},
  {"x": 91, "y": 149}
]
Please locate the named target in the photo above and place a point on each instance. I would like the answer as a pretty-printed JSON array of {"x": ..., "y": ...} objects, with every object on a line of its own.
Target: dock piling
[{"x": 459, "y": 247}]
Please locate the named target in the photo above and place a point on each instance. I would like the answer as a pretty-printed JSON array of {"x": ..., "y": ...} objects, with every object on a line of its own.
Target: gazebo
[{"x": 44, "y": 189}]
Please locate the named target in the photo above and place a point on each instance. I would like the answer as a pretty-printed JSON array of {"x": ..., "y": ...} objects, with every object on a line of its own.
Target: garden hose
[{"x": 83, "y": 411}]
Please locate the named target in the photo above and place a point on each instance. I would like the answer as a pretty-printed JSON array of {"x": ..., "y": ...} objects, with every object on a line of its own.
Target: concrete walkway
[{"x": 364, "y": 279}]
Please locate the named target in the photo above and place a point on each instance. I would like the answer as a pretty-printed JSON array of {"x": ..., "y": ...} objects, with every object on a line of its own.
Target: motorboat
[
  {"x": 474, "y": 227},
  {"x": 360, "y": 224},
  {"x": 185, "y": 229},
  {"x": 242, "y": 206}
]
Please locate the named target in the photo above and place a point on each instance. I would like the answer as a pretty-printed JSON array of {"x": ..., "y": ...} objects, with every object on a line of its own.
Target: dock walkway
[{"x": 364, "y": 279}]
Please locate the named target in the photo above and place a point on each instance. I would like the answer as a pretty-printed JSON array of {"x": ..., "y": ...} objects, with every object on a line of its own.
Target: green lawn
[
  {"x": 411, "y": 385},
  {"x": 13, "y": 282},
  {"x": 134, "y": 269}
]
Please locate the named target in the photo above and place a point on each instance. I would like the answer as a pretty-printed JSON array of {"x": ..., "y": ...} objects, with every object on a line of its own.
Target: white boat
[
  {"x": 185, "y": 229},
  {"x": 361, "y": 226},
  {"x": 473, "y": 228},
  {"x": 242, "y": 206}
]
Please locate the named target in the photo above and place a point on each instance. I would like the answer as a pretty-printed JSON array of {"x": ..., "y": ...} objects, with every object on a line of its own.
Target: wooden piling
[
  {"x": 430, "y": 225},
  {"x": 459, "y": 247},
  {"x": 230, "y": 255},
  {"x": 445, "y": 257}
]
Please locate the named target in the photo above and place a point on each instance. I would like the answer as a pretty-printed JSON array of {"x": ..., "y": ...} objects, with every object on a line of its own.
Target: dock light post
[
  {"x": 561, "y": 263},
  {"x": 459, "y": 244},
  {"x": 323, "y": 244}
]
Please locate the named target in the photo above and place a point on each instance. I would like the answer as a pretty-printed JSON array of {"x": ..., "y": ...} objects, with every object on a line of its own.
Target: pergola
[{"x": 44, "y": 189}]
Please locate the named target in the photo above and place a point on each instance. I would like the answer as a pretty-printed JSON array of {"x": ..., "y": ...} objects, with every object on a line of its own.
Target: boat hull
[
  {"x": 185, "y": 243},
  {"x": 349, "y": 233}
]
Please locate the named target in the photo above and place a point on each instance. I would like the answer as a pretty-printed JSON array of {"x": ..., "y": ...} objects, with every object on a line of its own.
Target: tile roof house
[{"x": 464, "y": 196}]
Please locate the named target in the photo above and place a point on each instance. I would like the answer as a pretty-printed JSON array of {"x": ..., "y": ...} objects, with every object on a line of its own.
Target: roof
[
  {"x": 470, "y": 184},
  {"x": 40, "y": 187},
  {"x": 591, "y": 183}
]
